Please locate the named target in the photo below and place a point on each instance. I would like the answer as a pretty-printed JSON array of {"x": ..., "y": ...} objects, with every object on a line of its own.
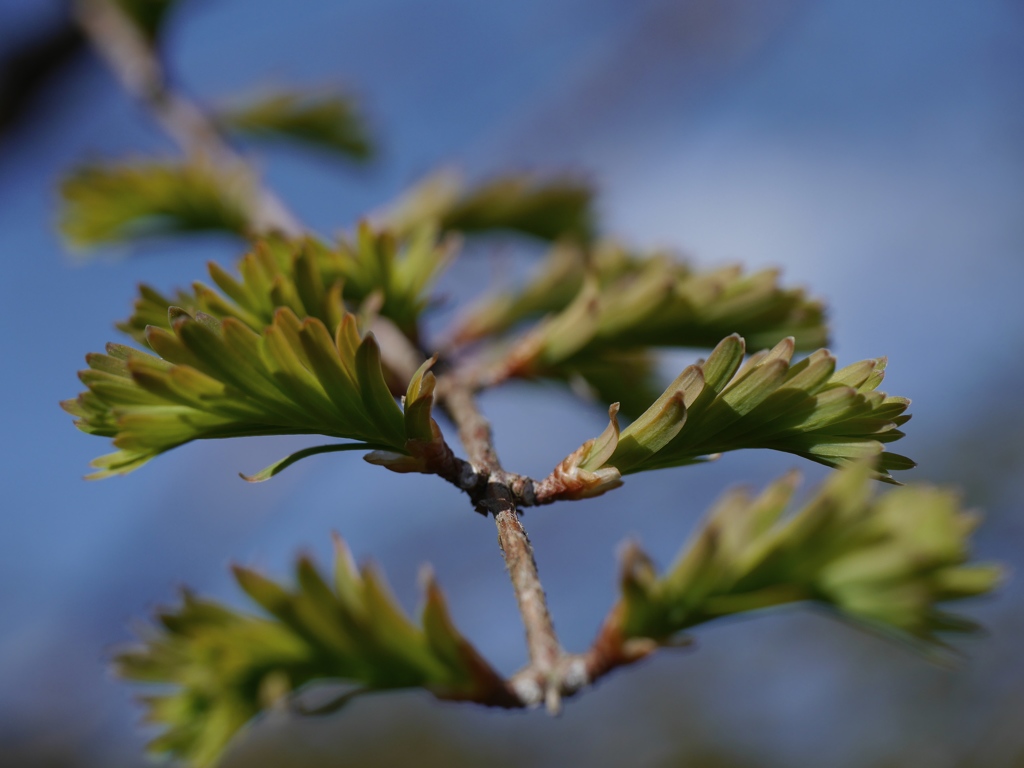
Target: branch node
[
  {"x": 574, "y": 674},
  {"x": 528, "y": 690}
]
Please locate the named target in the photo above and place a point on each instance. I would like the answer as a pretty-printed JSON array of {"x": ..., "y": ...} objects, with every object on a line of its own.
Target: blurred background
[{"x": 873, "y": 150}]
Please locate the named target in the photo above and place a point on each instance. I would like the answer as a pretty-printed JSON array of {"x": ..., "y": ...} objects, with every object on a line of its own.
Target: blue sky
[{"x": 872, "y": 150}]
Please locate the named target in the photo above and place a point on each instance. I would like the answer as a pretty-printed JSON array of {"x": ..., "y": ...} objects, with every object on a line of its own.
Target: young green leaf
[
  {"x": 571, "y": 480},
  {"x": 322, "y": 120},
  {"x": 110, "y": 203},
  {"x": 425, "y": 449},
  {"x": 401, "y": 269},
  {"x": 639, "y": 301},
  {"x": 312, "y": 280},
  {"x": 217, "y": 379},
  {"x": 806, "y": 408},
  {"x": 281, "y": 465},
  {"x": 214, "y": 669},
  {"x": 549, "y": 208},
  {"x": 885, "y": 563}
]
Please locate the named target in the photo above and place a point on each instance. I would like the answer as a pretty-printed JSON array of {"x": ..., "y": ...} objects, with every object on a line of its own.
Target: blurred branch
[
  {"x": 26, "y": 68},
  {"x": 135, "y": 64}
]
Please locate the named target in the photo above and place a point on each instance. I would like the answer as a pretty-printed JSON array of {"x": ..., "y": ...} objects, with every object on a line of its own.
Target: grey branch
[
  {"x": 499, "y": 500},
  {"x": 136, "y": 65}
]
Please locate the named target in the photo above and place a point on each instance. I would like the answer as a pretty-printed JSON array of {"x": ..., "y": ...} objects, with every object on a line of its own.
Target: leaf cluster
[
  {"x": 607, "y": 297},
  {"x": 322, "y": 120},
  {"x": 600, "y": 315},
  {"x": 107, "y": 203},
  {"x": 884, "y": 563},
  {"x": 544, "y": 207},
  {"x": 387, "y": 275},
  {"x": 215, "y": 668},
  {"x": 723, "y": 404},
  {"x": 807, "y": 408},
  {"x": 217, "y": 379}
]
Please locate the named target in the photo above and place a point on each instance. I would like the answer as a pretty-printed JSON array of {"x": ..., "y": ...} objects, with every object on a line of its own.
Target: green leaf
[
  {"x": 552, "y": 288},
  {"x": 548, "y": 208},
  {"x": 805, "y": 408},
  {"x": 219, "y": 379},
  {"x": 104, "y": 204},
  {"x": 582, "y": 473},
  {"x": 322, "y": 120},
  {"x": 656, "y": 427},
  {"x": 425, "y": 449},
  {"x": 400, "y": 269},
  {"x": 419, "y": 401},
  {"x": 637, "y": 301},
  {"x": 279, "y": 466},
  {"x": 313, "y": 280},
  {"x": 212, "y": 668},
  {"x": 884, "y": 563}
]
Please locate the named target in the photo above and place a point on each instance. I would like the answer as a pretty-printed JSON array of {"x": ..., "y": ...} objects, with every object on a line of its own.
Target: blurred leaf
[
  {"x": 548, "y": 208},
  {"x": 328, "y": 121},
  {"x": 400, "y": 268},
  {"x": 110, "y": 203},
  {"x": 807, "y": 408},
  {"x": 217, "y": 379},
  {"x": 627, "y": 377},
  {"x": 215, "y": 668},
  {"x": 552, "y": 288},
  {"x": 312, "y": 279},
  {"x": 617, "y": 301},
  {"x": 147, "y": 15},
  {"x": 885, "y": 563}
]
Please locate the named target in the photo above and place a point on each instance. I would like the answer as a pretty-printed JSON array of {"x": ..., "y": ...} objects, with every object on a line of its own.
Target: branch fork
[{"x": 552, "y": 673}]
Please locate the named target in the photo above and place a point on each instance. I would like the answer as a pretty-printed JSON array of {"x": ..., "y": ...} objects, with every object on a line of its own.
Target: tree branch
[
  {"x": 136, "y": 65},
  {"x": 542, "y": 683},
  {"x": 551, "y": 673}
]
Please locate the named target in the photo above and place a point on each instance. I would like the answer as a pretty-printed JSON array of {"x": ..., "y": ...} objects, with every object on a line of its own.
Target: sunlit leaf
[
  {"x": 723, "y": 404},
  {"x": 312, "y": 279},
  {"x": 219, "y": 379}
]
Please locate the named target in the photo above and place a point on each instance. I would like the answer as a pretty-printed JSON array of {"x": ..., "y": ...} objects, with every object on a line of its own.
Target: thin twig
[
  {"x": 499, "y": 499},
  {"x": 552, "y": 674},
  {"x": 136, "y": 65}
]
